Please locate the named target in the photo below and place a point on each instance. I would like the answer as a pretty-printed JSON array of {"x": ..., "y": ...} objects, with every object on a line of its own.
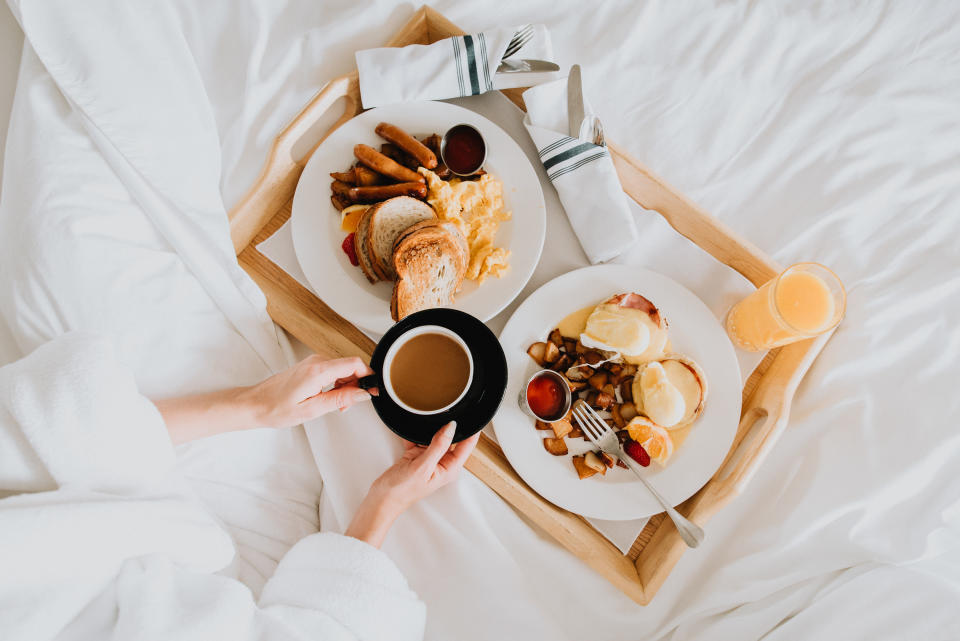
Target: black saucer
[{"x": 482, "y": 399}]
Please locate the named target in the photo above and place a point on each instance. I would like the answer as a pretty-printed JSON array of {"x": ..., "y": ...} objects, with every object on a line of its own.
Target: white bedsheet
[{"x": 821, "y": 132}]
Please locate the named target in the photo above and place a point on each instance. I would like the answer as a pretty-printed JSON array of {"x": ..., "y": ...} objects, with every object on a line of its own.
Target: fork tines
[
  {"x": 590, "y": 422},
  {"x": 520, "y": 38}
]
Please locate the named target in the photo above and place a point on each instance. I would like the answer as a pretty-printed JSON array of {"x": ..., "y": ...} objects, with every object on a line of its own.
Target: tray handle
[
  {"x": 652, "y": 192},
  {"x": 280, "y": 173},
  {"x": 765, "y": 415}
]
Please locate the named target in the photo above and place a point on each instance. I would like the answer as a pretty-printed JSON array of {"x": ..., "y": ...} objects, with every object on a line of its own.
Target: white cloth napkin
[
  {"x": 582, "y": 173},
  {"x": 449, "y": 68}
]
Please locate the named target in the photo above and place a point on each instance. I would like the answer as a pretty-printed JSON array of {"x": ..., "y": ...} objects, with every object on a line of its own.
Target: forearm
[
  {"x": 191, "y": 417},
  {"x": 373, "y": 520}
]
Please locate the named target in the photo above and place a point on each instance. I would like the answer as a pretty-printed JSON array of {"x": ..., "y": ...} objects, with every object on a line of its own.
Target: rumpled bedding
[
  {"x": 821, "y": 131},
  {"x": 101, "y": 536}
]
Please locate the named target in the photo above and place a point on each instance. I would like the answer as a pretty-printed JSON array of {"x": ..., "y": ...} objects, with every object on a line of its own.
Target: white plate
[
  {"x": 694, "y": 331},
  {"x": 316, "y": 223}
]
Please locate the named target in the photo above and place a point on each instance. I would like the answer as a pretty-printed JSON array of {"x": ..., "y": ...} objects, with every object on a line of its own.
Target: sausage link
[
  {"x": 383, "y": 192},
  {"x": 383, "y": 165},
  {"x": 340, "y": 188},
  {"x": 344, "y": 176},
  {"x": 408, "y": 143},
  {"x": 365, "y": 177}
]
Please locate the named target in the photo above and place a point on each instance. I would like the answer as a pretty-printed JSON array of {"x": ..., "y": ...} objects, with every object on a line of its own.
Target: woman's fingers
[
  {"x": 438, "y": 446},
  {"x": 336, "y": 399},
  {"x": 341, "y": 368},
  {"x": 454, "y": 459}
]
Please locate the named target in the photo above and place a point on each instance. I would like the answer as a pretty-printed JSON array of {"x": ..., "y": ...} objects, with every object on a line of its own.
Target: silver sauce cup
[
  {"x": 563, "y": 384},
  {"x": 443, "y": 149}
]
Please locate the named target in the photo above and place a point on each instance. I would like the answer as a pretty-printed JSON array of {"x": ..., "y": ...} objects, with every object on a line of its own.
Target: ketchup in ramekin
[
  {"x": 547, "y": 396},
  {"x": 463, "y": 150}
]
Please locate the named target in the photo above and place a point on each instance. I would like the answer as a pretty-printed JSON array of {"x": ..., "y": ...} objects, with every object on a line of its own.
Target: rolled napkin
[
  {"x": 582, "y": 173},
  {"x": 449, "y": 68}
]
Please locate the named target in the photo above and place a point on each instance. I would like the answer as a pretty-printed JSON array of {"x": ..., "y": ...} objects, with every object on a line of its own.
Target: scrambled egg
[{"x": 476, "y": 207}]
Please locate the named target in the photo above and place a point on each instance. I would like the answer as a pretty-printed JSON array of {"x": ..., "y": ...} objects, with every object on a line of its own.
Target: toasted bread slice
[
  {"x": 430, "y": 262},
  {"x": 388, "y": 220},
  {"x": 360, "y": 247}
]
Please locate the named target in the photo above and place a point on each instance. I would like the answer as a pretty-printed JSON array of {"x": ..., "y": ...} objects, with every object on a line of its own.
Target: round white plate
[
  {"x": 694, "y": 331},
  {"x": 316, "y": 223}
]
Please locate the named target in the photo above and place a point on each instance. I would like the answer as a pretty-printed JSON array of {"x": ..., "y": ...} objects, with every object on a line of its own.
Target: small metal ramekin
[{"x": 564, "y": 385}]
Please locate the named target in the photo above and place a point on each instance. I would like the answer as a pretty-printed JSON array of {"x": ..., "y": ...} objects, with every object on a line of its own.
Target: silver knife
[
  {"x": 527, "y": 66},
  {"x": 574, "y": 102}
]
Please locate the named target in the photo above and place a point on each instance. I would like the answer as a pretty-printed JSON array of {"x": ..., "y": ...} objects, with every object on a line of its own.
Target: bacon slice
[{"x": 636, "y": 301}]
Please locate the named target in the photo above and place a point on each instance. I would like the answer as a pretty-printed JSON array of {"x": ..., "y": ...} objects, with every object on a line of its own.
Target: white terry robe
[{"x": 101, "y": 538}]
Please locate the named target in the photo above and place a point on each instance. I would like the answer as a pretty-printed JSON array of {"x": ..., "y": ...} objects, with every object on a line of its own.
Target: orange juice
[{"x": 805, "y": 300}]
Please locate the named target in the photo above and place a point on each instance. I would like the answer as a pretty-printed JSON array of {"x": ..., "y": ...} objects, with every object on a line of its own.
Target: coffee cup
[{"x": 427, "y": 370}]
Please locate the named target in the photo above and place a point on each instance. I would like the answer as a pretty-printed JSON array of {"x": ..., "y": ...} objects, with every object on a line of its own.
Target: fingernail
[
  {"x": 361, "y": 395},
  {"x": 450, "y": 427}
]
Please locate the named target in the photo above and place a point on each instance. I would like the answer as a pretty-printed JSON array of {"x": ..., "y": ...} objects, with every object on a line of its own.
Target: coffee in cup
[{"x": 427, "y": 370}]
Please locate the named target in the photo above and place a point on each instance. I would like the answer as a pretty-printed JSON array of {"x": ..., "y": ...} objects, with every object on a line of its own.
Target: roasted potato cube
[
  {"x": 537, "y": 352},
  {"x": 583, "y": 471},
  {"x": 618, "y": 417},
  {"x": 609, "y": 390},
  {"x": 576, "y": 386},
  {"x": 629, "y": 370},
  {"x": 570, "y": 345},
  {"x": 561, "y": 428},
  {"x": 556, "y": 446},
  {"x": 622, "y": 464},
  {"x": 628, "y": 411},
  {"x": 604, "y": 401},
  {"x": 614, "y": 368},
  {"x": 608, "y": 459},
  {"x": 591, "y": 398},
  {"x": 626, "y": 389},
  {"x": 592, "y": 357},
  {"x": 542, "y": 425},
  {"x": 591, "y": 460},
  {"x": 598, "y": 380},
  {"x": 581, "y": 348},
  {"x": 551, "y": 353},
  {"x": 579, "y": 373},
  {"x": 556, "y": 338},
  {"x": 623, "y": 436},
  {"x": 576, "y": 432},
  {"x": 563, "y": 363}
]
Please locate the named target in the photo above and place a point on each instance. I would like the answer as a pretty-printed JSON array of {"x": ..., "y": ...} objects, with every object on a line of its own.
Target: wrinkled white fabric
[
  {"x": 820, "y": 131},
  {"x": 101, "y": 537},
  {"x": 79, "y": 253}
]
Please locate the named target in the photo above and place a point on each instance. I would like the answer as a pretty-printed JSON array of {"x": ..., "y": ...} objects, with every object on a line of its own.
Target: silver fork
[
  {"x": 606, "y": 439},
  {"x": 520, "y": 38}
]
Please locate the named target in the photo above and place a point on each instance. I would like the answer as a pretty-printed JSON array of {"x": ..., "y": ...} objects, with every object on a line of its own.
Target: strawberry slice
[
  {"x": 350, "y": 250},
  {"x": 635, "y": 451}
]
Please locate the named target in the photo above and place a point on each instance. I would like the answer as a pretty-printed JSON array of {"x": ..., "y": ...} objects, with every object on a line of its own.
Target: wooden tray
[{"x": 766, "y": 395}]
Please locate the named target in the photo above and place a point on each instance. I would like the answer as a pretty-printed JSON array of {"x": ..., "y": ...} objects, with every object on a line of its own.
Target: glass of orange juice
[{"x": 807, "y": 299}]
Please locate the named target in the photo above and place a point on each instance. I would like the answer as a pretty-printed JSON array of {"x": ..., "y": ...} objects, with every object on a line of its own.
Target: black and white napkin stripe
[
  {"x": 470, "y": 58},
  {"x": 568, "y": 154}
]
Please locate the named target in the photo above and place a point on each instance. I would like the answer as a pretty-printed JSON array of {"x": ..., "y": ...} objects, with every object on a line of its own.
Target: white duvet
[{"x": 821, "y": 132}]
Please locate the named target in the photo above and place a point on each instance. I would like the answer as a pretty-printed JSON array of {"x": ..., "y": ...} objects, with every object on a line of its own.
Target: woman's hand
[
  {"x": 293, "y": 396},
  {"x": 288, "y": 398},
  {"x": 418, "y": 473}
]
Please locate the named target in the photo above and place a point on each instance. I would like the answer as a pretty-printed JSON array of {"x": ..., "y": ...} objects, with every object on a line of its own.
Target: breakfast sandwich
[{"x": 628, "y": 325}]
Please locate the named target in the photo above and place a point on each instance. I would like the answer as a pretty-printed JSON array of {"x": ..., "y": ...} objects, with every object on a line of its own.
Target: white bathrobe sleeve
[{"x": 101, "y": 538}]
